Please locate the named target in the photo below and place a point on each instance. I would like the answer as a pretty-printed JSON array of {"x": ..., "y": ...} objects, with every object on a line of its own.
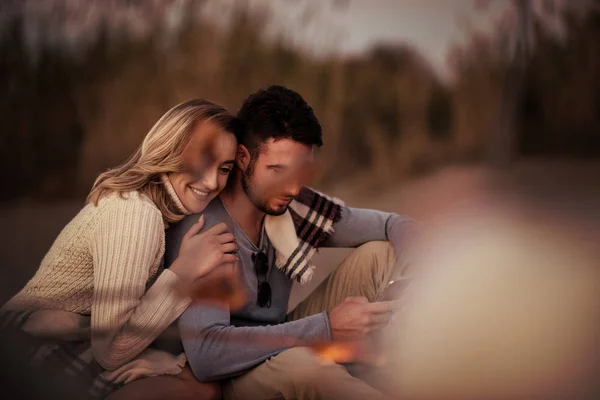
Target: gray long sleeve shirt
[{"x": 224, "y": 344}]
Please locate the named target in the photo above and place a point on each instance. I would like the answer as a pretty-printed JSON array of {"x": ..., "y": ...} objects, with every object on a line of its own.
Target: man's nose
[{"x": 293, "y": 190}]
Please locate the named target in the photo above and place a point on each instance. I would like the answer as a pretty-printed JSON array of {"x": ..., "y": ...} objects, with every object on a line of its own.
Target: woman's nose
[{"x": 210, "y": 181}]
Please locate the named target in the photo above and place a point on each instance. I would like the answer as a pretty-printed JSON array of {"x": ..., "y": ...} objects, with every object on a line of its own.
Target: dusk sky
[
  {"x": 432, "y": 26},
  {"x": 321, "y": 26}
]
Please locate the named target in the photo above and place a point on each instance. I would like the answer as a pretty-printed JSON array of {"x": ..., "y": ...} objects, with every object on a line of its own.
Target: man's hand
[{"x": 355, "y": 317}]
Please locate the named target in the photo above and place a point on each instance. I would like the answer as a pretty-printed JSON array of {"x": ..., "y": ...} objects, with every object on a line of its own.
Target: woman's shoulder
[{"x": 131, "y": 202}]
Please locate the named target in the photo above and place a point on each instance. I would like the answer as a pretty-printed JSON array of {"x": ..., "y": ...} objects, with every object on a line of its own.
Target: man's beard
[{"x": 249, "y": 189}]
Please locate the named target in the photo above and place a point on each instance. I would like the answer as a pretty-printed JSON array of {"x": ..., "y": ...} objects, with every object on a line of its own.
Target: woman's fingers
[
  {"x": 194, "y": 229},
  {"x": 229, "y": 258},
  {"x": 226, "y": 237},
  {"x": 229, "y": 248},
  {"x": 114, "y": 376},
  {"x": 217, "y": 229}
]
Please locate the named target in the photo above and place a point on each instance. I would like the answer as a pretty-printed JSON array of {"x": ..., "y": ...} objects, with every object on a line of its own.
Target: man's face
[{"x": 277, "y": 174}]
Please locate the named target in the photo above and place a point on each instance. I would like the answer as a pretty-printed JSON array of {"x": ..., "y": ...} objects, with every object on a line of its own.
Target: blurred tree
[
  {"x": 72, "y": 109},
  {"x": 560, "y": 110},
  {"x": 501, "y": 145},
  {"x": 42, "y": 133},
  {"x": 439, "y": 113},
  {"x": 541, "y": 94}
]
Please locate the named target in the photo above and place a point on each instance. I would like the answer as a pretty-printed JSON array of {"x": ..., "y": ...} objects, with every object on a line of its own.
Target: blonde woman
[{"x": 101, "y": 295}]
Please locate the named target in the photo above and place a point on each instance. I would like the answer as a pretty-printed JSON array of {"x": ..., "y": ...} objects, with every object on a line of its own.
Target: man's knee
[
  {"x": 371, "y": 267},
  {"x": 379, "y": 248},
  {"x": 300, "y": 369},
  {"x": 378, "y": 253}
]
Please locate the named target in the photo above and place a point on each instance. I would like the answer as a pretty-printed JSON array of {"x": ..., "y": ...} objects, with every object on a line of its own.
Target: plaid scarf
[{"x": 298, "y": 232}]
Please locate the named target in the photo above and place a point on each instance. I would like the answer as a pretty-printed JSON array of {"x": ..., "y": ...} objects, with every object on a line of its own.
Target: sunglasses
[{"x": 261, "y": 266}]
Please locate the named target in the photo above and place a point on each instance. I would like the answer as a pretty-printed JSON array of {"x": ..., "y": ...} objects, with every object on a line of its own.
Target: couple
[{"x": 213, "y": 190}]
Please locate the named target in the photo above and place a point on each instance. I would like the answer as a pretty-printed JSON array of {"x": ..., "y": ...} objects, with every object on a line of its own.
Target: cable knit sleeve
[{"x": 127, "y": 242}]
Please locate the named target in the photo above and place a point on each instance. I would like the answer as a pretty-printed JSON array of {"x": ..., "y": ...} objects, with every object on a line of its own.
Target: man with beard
[{"x": 278, "y": 224}]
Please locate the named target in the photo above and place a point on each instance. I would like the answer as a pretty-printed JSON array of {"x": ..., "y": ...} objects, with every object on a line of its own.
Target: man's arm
[
  {"x": 216, "y": 350},
  {"x": 358, "y": 226}
]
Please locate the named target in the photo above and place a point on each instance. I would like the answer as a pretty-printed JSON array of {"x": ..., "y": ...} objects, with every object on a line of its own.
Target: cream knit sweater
[{"x": 101, "y": 264}]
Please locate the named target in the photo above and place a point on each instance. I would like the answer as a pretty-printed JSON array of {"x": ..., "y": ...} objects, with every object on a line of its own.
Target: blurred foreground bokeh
[{"x": 508, "y": 306}]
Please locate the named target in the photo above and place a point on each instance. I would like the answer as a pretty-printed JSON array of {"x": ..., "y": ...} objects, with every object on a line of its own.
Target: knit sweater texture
[{"x": 108, "y": 263}]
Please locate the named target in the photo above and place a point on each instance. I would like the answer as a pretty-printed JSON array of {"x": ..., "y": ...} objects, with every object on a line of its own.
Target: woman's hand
[{"x": 200, "y": 253}]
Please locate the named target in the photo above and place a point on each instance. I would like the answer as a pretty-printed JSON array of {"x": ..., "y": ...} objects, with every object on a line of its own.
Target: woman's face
[{"x": 207, "y": 162}]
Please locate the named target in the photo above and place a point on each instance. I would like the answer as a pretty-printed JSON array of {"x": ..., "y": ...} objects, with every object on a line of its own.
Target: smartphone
[{"x": 393, "y": 290}]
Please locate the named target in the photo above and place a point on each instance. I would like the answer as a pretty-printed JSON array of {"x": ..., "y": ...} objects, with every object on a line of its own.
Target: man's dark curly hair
[{"x": 279, "y": 113}]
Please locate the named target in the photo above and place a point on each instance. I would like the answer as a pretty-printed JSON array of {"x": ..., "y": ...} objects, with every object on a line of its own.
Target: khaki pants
[{"x": 297, "y": 373}]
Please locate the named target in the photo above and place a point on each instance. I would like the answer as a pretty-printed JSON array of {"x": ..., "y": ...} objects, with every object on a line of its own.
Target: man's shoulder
[{"x": 214, "y": 213}]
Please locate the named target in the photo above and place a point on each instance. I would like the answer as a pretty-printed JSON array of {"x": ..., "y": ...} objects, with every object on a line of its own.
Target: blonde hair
[{"x": 160, "y": 153}]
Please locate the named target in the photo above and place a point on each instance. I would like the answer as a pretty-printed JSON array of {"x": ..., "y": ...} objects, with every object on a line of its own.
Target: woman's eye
[{"x": 225, "y": 170}]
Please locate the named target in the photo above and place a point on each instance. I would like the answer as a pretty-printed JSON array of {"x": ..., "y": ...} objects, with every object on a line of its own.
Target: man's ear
[{"x": 242, "y": 158}]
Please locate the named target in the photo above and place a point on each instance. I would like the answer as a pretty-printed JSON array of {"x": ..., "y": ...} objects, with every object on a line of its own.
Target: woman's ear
[{"x": 242, "y": 157}]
